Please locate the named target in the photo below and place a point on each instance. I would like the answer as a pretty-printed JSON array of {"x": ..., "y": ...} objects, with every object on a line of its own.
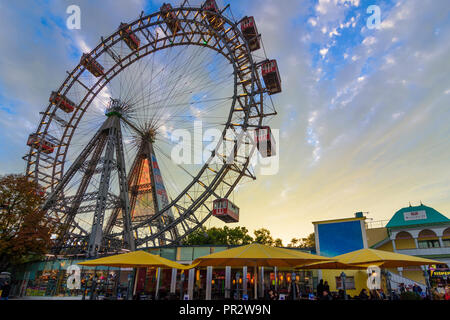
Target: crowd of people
[{"x": 323, "y": 292}]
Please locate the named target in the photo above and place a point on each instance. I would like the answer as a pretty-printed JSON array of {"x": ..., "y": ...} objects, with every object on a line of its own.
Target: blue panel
[{"x": 340, "y": 237}]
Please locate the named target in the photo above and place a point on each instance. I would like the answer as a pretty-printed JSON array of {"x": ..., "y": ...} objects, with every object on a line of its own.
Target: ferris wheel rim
[{"x": 94, "y": 53}]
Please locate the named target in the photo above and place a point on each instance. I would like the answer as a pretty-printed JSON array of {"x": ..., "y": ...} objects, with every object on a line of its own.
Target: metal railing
[{"x": 376, "y": 224}]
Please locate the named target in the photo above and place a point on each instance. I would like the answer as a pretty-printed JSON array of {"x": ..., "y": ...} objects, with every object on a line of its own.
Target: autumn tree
[
  {"x": 308, "y": 242},
  {"x": 24, "y": 233}
]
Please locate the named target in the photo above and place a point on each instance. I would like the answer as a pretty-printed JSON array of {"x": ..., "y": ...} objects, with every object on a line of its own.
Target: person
[
  {"x": 447, "y": 293},
  {"x": 293, "y": 290},
  {"x": 341, "y": 294},
  {"x": 5, "y": 290},
  {"x": 326, "y": 287},
  {"x": 435, "y": 294},
  {"x": 272, "y": 295},
  {"x": 402, "y": 288},
  {"x": 381, "y": 294},
  {"x": 325, "y": 296},
  {"x": 374, "y": 295},
  {"x": 277, "y": 296},
  {"x": 363, "y": 295},
  {"x": 320, "y": 289}
]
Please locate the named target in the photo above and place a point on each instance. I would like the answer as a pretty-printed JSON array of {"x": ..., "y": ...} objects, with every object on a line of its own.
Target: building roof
[{"x": 418, "y": 215}]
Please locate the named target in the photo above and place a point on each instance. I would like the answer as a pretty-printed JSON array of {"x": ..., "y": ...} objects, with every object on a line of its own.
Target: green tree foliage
[
  {"x": 263, "y": 236},
  {"x": 24, "y": 233},
  {"x": 308, "y": 242},
  {"x": 219, "y": 236}
]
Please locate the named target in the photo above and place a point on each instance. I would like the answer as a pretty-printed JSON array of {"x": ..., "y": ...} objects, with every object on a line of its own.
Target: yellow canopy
[
  {"x": 258, "y": 255},
  {"x": 331, "y": 265},
  {"x": 382, "y": 259},
  {"x": 135, "y": 259}
]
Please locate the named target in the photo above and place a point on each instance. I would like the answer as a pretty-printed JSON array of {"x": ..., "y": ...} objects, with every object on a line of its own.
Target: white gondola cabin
[
  {"x": 265, "y": 142},
  {"x": 62, "y": 102},
  {"x": 170, "y": 17},
  {"x": 132, "y": 41},
  {"x": 225, "y": 210},
  {"x": 92, "y": 65},
  {"x": 271, "y": 76},
  {"x": 35, "y": 141},
  {"x": 248, "y": 28},
  {"x": 214, "y": 21}
]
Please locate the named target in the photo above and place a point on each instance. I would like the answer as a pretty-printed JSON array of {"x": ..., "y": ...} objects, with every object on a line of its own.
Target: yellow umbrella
[
  {"x": 382, "y": 259},
  {"x": 258, "y": 255},
  {"x": 135, "y": 259}
]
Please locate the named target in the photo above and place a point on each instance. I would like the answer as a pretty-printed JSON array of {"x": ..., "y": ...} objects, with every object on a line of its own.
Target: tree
[
  {"x": 263, "y": 236},
  {"x": 277, "y": 242},
  {"x": 24, "y": 232},
  {"x": 238, "y": 236},
  {"x": 219, "y": 236},
  {"x": 308, "y": 242}
]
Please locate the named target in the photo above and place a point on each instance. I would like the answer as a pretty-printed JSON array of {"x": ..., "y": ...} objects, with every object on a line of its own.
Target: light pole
[
  {"x": 343, "y": 277},
  {"x": 388, "y": 285},
  {"x": 427, "y": 281},
  {"x": 293, "y": 286}
]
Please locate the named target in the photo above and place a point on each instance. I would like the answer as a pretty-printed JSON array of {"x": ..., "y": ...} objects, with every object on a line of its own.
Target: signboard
[
  {"x": 415, "y": 215},
  {"x": 335, "y": 238},
  {"x": 440, "y": 273}
]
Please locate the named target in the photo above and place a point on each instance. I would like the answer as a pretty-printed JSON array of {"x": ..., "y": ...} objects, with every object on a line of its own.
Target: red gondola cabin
[
  {"x": 92, "y": 65},
  {"x": 36, "y": 142},
  {"x": 265, "y": 142},
  {"x": 248, "y": 28},
  {"x": 62, "y": 102},
  {"x": 225, "y": 210},
  {"x": 169, "y": 17},
  {"x": 271, "y": 76},
  {"x": 132, "y": 41},
  {"x": 214, "y": 21}
]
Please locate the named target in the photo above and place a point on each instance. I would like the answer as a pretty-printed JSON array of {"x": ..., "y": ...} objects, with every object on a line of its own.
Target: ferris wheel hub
[{"x": 116, "y": 108}]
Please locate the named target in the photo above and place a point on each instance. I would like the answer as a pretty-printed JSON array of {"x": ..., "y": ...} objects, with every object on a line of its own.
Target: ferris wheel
[{"x": 102, "y": 150}]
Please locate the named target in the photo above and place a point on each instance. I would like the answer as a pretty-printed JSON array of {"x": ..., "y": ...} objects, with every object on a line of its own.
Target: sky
[{"x": 363, "y": 116}]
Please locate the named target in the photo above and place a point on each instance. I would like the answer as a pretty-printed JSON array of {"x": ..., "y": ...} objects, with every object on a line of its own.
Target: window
[
  {"x": 426, "y": 244},
  {"x": 349, "y": 283},
  {"x": 446, "y": 242}
]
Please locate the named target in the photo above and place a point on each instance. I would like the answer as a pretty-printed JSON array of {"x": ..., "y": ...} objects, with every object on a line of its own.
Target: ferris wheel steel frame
[{"x": 247, "y": 106}]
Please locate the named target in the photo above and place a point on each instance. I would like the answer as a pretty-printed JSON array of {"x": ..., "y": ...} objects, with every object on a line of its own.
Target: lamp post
[
  {"x": 427, "y": 281},
  {"x": 293, "y": 287},
  {"x": 343, "y": 277},
  {"x": 182, "y": 278},
  {"x": 388, "y": 285}
]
